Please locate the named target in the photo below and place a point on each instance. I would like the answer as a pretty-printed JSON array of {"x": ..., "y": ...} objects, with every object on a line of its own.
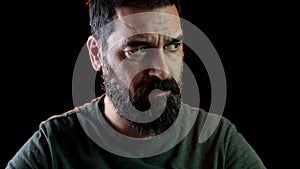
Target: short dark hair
[{"x": 101, "y": 12}]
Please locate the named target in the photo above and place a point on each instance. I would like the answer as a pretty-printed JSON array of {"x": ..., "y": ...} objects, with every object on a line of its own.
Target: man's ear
[{"x": 94, "y": 50}]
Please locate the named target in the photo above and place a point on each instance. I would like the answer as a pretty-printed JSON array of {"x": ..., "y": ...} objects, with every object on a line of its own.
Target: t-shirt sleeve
[
  {"x": 34, "y": 154},
  {"x": 240, "y": 154}
]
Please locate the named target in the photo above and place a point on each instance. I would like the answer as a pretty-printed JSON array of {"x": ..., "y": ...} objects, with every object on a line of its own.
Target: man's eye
[
  {"x": 139, "y": 51},
  {"x": 173, "y": 46}
]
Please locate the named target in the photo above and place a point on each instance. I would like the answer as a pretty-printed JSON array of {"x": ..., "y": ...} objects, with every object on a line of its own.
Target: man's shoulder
[{"x": 68, "y": 119}]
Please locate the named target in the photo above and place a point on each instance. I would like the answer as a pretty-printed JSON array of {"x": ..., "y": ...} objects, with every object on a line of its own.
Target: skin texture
[{"x": 129, "y": 52}]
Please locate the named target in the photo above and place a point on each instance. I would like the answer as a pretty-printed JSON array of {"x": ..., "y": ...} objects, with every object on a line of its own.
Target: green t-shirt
[{"x": 66, "y": 142}]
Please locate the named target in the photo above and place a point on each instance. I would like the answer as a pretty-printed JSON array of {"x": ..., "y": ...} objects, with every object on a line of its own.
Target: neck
[{"x": 117, "y": 122}]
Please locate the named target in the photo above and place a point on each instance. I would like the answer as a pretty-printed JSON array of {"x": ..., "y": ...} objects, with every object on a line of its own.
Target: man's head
[{"x": 138, "y": 47}]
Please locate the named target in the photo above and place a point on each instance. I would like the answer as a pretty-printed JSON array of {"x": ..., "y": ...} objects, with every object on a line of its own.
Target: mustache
[
  {"x": 139, "y": 98},
  {"x": 168, "y": 84}
]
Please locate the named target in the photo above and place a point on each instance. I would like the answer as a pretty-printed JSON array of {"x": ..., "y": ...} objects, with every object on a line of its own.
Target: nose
[{"x": 159, "y": 67}]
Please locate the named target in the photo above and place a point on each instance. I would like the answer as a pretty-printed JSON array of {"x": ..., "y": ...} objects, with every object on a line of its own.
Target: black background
[{"x": 42, "y": 39}]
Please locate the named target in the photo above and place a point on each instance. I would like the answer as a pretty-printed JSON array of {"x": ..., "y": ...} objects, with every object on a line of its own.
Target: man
[{"x": 141, "y": 120}]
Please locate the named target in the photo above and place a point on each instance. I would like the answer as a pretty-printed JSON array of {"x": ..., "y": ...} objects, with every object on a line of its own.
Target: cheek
[
  {"x": 177, "y": 72},
  {"x": 176, "y": 67},
  {"x": 137, "y": 80},
  {"x": 114, "y": 57},
  {"x": 126, "y": 71}
]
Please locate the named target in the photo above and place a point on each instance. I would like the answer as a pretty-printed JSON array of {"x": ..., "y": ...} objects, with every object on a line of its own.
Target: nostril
[{"x": 161, "y": 74}]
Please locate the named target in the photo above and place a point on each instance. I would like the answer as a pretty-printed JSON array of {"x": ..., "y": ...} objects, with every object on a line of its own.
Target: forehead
[
  {"x": 130, "y": 21},
  {"x": 128, "y": 10}
]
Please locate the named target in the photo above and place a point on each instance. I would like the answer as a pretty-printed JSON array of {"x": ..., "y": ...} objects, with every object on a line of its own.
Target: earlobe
[{"x": 94, "y": 50}]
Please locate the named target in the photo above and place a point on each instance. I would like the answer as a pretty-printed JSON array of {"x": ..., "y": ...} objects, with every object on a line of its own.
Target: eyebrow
[
  {"x": 177, "y": 39},
  {"x": 137, "y": 42}
]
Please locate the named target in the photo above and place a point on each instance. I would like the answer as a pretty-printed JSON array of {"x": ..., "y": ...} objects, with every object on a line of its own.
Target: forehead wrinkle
[
  {"x": 155, "y": 23},
  {"x": 139, "y": 37},
  {"x": 129, "y": 26}
]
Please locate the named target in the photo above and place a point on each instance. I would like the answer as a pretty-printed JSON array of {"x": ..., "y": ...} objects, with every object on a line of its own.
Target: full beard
[{"x": 118, "y": 93}]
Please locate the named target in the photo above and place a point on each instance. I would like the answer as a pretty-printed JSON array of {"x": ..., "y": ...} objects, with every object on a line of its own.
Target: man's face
[{"x": 144, "y": 53}]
